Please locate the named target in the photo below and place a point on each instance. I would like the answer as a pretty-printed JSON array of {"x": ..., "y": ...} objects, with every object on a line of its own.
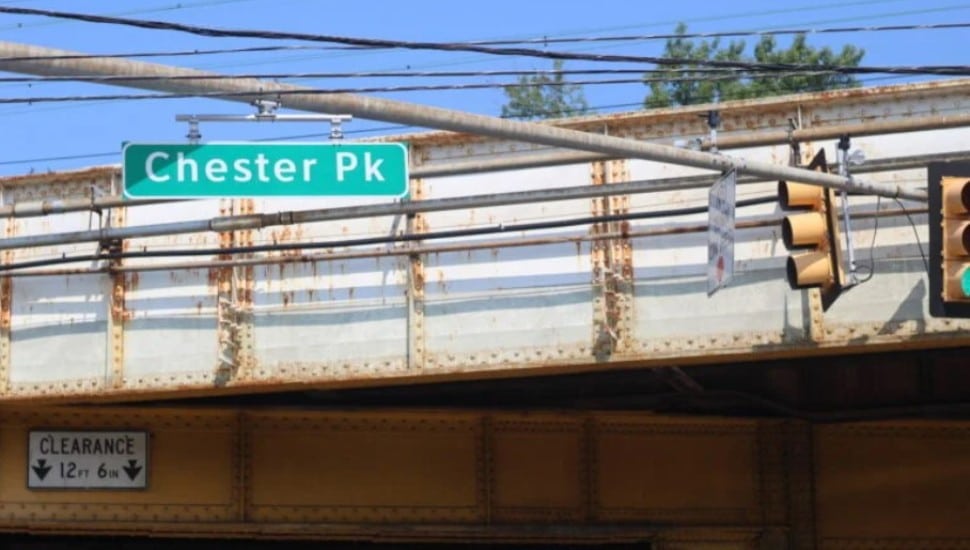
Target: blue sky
[{"x": 36, "y": 134}]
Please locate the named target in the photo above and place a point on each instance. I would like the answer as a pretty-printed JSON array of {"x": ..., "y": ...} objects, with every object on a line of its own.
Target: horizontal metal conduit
[
  {"x": 753, "y": 139},
  {"x": 260, "y": 221},
  {"x": 46, "y": 207},
  {"x": 753, "y": 222}
]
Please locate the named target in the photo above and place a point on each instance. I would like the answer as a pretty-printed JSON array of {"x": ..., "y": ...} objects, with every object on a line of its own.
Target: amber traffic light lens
[
  {"x": 795, "y": 195},
  {"x": 803, "y": 230},
  {"x": 808, "y": 269}
]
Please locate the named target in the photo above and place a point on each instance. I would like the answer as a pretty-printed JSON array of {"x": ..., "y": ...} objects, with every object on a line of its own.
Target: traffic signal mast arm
[{"x": 248, "y": 90}]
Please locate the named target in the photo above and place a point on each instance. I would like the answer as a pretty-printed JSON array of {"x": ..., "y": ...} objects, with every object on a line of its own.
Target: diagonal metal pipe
[
  {"x": 558, "y": 158},
  {"x": 302, "y": 98}
]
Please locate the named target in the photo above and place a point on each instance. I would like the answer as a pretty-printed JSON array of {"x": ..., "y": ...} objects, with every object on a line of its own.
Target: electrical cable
[
  {"x": 55, "y": 159},
  {"x": 372, "y": 89},
  {"x": 392, "y": 239},
  {"x": 872, "y": 246},
  {"x": 457, "y": 46},
  {"x": 721, "y": 34},
  {"x": 94, "y": 99},
  {"x": 718, "y": 18},
  {"x": 912, "y": 224},
  {"x": 281, "y": 93},
  {"x": 542, "y": 41},
  {"x": 173, "y": 53},
  {"x": 269, "y": 48},
  {"x": 349, "y": 131},
  {"x": 653, "y": 23},
  {"x": 386, "y": 128},
  {"x": 743, "y": 16},
  {"x": 694, "y": 75},
  {"x": 375, "y": 89},
  {"x": 166, "y": 8}
]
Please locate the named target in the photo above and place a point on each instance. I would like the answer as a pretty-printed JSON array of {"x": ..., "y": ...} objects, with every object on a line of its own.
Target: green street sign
[{"x": 226, "y": 170}]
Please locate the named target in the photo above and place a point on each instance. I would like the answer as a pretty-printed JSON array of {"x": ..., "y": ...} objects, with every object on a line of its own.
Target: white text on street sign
[{"x": 80, "y": 459}]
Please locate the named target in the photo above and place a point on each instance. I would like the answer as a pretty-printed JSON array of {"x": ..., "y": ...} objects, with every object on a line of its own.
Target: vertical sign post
[{"x": 720, "y": 232}]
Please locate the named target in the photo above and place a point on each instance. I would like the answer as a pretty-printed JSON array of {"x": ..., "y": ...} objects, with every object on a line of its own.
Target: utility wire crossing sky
[{"x": 358, "y": 45}]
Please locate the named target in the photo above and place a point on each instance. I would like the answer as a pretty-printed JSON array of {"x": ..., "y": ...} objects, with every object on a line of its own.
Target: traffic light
[
  {"x": 816, "y": 231},
  {"x": 949, "y": 209}
]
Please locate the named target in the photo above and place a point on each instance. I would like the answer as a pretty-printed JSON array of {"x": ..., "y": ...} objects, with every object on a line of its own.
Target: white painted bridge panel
[{"x": 325, "y": 314}]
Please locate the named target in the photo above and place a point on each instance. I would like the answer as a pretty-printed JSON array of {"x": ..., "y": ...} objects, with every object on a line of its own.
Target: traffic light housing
[
  {"x": 949, "y": 217},
  {"x": 815, "y": 231}
]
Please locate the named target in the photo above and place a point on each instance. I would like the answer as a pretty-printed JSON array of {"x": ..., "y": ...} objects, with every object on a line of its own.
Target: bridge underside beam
[{"x": 537, "y": 476}]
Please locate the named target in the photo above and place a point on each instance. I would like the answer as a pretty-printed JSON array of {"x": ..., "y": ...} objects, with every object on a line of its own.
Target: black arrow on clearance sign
[
  {"x": 41, "y": 468},
  {"x": 132, "y": 469}
]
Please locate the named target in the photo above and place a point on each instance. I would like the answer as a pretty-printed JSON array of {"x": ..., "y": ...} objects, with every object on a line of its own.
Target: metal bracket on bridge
[
  {"x": 265, "y": 112},
  {"x": 111, "y": 248},
  {"x": 795, "y": 148},
  {"x": 713, "y": 118}
]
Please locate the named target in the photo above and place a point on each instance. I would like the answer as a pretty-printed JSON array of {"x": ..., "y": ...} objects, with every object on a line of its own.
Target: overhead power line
[
  {"x": 173, "y": 53},
  {"x": 458, "y": 46},
  {"x": 387, "y": 128},
  {"x": 155, "y": 9},
  {"x": 402, "y": 112},
  {"x": 541, "y": 41},
  {"x": 788, "y": 10},
  {"x": 694, "y": 75},
  {"x": 282, "y": 93},
  {"x": 361, "y": 90},
  {"x": 719, "y": 34},
  {"x": 61, "y": 158}
]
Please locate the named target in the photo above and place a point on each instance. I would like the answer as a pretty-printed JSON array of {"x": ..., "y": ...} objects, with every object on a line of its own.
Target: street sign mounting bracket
[{"x": 266, "y": 111}]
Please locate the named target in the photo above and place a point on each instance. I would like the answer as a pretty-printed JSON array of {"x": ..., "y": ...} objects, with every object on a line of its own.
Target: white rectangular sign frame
[{"x": 87, "y": 459}]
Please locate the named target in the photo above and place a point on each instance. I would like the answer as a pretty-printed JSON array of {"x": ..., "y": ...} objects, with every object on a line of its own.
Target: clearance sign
[{"x": 87, "y": 459}]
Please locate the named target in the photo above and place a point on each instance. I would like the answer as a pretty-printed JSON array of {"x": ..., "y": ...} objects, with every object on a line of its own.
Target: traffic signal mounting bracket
[{"x": 832, "y": 290}]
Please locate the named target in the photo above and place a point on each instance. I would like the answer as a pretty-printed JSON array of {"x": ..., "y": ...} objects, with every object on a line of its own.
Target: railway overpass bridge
[{"x": 523, "y": 350}]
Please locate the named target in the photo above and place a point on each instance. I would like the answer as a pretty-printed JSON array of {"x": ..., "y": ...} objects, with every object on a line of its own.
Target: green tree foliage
[
  {"x": 688, "y": 92},
  {"x": 544, "y": 96},
  {"x": 668, "y": 87}
]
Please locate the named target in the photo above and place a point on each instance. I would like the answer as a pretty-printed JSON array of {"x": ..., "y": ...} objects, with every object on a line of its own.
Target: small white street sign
[
  {"x": 720, "y": 232},
  {"x": 80, "y": 459}
]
